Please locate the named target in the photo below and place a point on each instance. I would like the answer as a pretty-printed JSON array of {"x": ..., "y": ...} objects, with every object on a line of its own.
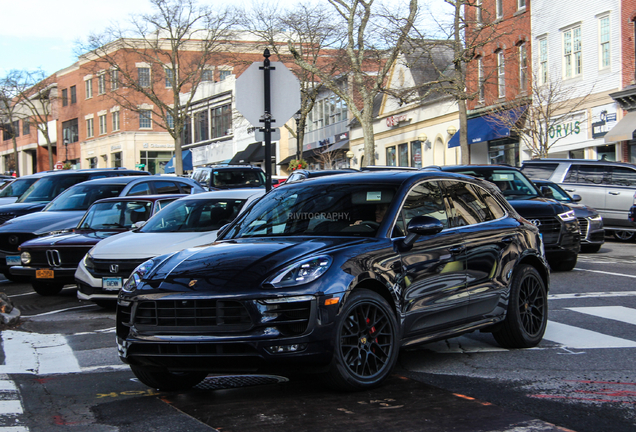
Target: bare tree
[
  {"x": 537, "y": 119},
  {"x": 311, "y": 30},
  {"x": 375, "y": 34},
  {"x": 10, "y": 113},
  {"x": 176, "y": 45}
]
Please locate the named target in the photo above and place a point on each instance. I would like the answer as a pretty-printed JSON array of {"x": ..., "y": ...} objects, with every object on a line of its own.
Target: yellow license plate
[{"x": 44, "y": 274}]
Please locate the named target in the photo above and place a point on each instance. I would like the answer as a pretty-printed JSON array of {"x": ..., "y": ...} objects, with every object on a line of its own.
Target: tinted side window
[
  {"x": 166, "y": 187},
  {"x": 492, "y": 205},
  {"x": 424, "y": 200},
  {"x": 185, "y": 188},
  {"x": 622, "y": 176},
  {"x": 140, "y": 189},
  {"x": 587, "y": 174},
  {"x": 466, "y": 208},
  {"x": 539, "y": 172}
]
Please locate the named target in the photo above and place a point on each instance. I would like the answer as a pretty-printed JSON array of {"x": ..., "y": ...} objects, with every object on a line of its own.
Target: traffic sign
[
  {"x": 59, "y": 165},
  {"x": 250, "y": 94}
]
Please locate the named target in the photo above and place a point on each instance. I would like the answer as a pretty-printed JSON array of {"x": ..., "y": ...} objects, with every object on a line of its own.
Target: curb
[{"x": 10, "y": 318}]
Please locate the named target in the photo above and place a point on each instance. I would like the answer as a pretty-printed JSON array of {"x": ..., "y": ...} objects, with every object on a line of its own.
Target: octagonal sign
[{"x": 284, "y": 94}]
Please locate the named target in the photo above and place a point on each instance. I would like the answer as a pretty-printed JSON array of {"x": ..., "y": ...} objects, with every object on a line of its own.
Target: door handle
[
  {"x": 614, "y": 193},
  {"x": 457, "y": 249},
  {"x": 570, "y": 190}
]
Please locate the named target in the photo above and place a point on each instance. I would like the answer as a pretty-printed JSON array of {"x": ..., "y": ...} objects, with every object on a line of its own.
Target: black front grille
[
  {"x": 190, "y": 349},
  {"x": 102, "y": 268},
  {"x": 11, "y": 241},
  {"x": 213, "y": 315},
  {"x": 583, "y": 227},
  {"x": 5, "y": 217},
  {"x": 550, "y": 227},
  {"x": 66, "y": 257},
  {"x": 289, "y": 318}
]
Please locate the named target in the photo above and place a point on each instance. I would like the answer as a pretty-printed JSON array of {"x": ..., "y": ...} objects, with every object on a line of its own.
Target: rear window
[
  {"x": 539, "y": 171},
  {"x": 237, "y": 178},
  {"x": 622, "y": 176}
]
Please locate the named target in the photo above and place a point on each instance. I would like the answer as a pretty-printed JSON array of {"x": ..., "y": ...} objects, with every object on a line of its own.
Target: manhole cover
[{"x": 237, "y": 381}]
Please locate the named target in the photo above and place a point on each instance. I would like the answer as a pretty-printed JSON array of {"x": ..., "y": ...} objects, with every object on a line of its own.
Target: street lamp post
[
  {"x": 298, "y": 149},
  {"x": 66, "y": 147}
]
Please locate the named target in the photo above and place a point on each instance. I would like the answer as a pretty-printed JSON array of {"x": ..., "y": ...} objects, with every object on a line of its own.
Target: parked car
[
  {"x": 52, "y": 183},
  {"x": 66, "y": 210},
  {"x": 556, "y": 221},
  {"x": 218, "y": 177},
  {"x": 50, "y": 262},
  {"x": 609, "y": 187},
  {"x": 590, "y": 221},
  {"x": 308, "y": 279},
  {"x": 302, "y": 174},
  {"x": 188, "y": 222},
  {"x": 10, "y": 193}
]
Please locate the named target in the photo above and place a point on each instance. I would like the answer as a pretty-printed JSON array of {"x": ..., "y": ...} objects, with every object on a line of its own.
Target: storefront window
[
  {"x": 403, "y": 154},
  {"x": 606, "y": 152},
  {"x": 632, "y": 152},
  {"x": 154, "y": 161},
  {"x": 116, "y": 159},
  {"x": 503, "y": 153},
  {"x": 92, "y": 162},
  {"x": 391, "y": 156},
  {"x": 416, "y": 154}
]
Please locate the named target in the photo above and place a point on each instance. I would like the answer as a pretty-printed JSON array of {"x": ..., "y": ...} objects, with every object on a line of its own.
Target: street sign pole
[{"x": 267, "y": 119}]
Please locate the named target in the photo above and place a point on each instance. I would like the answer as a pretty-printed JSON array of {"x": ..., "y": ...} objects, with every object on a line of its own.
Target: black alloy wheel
[
  {"x": 527, "y": 315},
  {"x": 166, "y": 380},
  {"x": 366, "y": 346}
]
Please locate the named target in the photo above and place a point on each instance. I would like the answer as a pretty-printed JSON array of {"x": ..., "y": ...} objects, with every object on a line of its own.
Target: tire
[
  {"x": 590, "y": 248},
  {"x": 624, "y": 236},
  {"x": 566, "y": 265},
  {"x": 46, "y": 288},
  {"x": 527, "y": 314},
  {"x": 366, "y": 343},
  {"x": 167, "y": 381}
]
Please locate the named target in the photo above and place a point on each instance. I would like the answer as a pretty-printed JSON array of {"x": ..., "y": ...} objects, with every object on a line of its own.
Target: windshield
[
  {"x": 115, "y": 215},
  {"x": 512, "y": 184},
  {"x": 17, "y": 188},
  {"x": 81, "y": 197},
  {"x": 194, "y": 215},
  {"x": 238, "y": 179},
  {"x": 317, "y": 210},
  {"x": 48, "y": 188}
]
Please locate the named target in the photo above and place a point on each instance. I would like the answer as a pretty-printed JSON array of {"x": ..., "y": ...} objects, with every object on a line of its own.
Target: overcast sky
[{"x": 42, "y": 33}]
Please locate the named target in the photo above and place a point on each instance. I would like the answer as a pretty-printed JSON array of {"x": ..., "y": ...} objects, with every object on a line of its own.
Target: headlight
[
  {"x": 567, "y": 216},
  {"x": 596, "y": 221},
  {"x": 88, "y": 261},
  {"x": 301, "y": 272},
  {"x": 25, "y": 257},
  {"x": 137, "y": 275}
]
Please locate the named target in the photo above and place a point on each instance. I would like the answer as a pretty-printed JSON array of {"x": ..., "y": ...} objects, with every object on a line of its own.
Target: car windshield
[
  {"x": 237, "y": 179},
  {"x": 17, "y": 188},
  {"x": 512, "y": 183},
  {"x": 194, "y": 215},
  {"x": 48, "y": 188},
  {"x": 81, "y": 197},
  {"x": 317, "y": 210},
  {"x": 115, "y": 215}
]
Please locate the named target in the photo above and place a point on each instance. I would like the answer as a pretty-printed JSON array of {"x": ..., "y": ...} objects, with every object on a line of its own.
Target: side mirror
[
  {"x": 576, "y": 198},
  {"x": 421, "y": 226},
  {"x": 138, "y": 225},
  {"x": 547, "y": 192}
]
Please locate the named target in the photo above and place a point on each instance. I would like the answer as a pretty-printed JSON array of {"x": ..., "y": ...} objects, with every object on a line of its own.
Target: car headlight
[
  {"x": 137, "y": 275},
  {"x": 25, "y": 257},
  {"x": 596, "y": 220},
  {"x": 567, "y": 216},
  {"x": 301, "y": 272},
  {"x": 88, "y": 261}
]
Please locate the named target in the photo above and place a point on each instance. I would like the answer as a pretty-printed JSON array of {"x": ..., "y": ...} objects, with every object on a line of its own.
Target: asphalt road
[{"x": 59, "y": 372}]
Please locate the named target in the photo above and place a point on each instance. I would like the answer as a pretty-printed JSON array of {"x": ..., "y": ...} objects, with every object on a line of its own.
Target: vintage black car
[
  {"x": 556, "y": 221},
  {"x": 334, "y": 275},
  {"x": 50, "y": 262}
]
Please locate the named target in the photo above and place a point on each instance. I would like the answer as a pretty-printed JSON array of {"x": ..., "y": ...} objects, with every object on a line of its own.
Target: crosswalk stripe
[
  {"x": 576, "y": 337},
  {"x": 6, "y": 385},
  {"x": 617, "y": 313},
  {"x": 10, "y": 407},
  {"x": 37, "y": 353}
]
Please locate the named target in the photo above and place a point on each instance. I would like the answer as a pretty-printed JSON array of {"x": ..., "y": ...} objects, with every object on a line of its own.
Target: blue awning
[
  {"x": 488, "y": 128},
  {"x": 186, "y": 157}
]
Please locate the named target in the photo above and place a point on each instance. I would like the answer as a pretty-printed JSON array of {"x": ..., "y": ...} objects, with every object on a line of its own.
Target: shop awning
[
  {"x": 259, "y": 153},
  {"x": 244, "y": 156},
  {"x": 341, "y": 145},
  {"x": 307, "y": 154},
  {"x": 488, "y": 128},
  {"x": 623, "y": 130},
  {"x": 186, "y": 160}
]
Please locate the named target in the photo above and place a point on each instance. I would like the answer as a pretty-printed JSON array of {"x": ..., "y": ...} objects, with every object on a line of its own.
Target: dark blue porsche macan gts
[{"x": 334, "y": 275}]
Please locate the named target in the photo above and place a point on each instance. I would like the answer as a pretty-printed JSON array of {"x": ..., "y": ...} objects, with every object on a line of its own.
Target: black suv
[
  {"x": 556, "y": 221},
  {"x": 50, "y": 184},
  {"x": 334, "y": 275},
  {"x": 217, "y": 177}
]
